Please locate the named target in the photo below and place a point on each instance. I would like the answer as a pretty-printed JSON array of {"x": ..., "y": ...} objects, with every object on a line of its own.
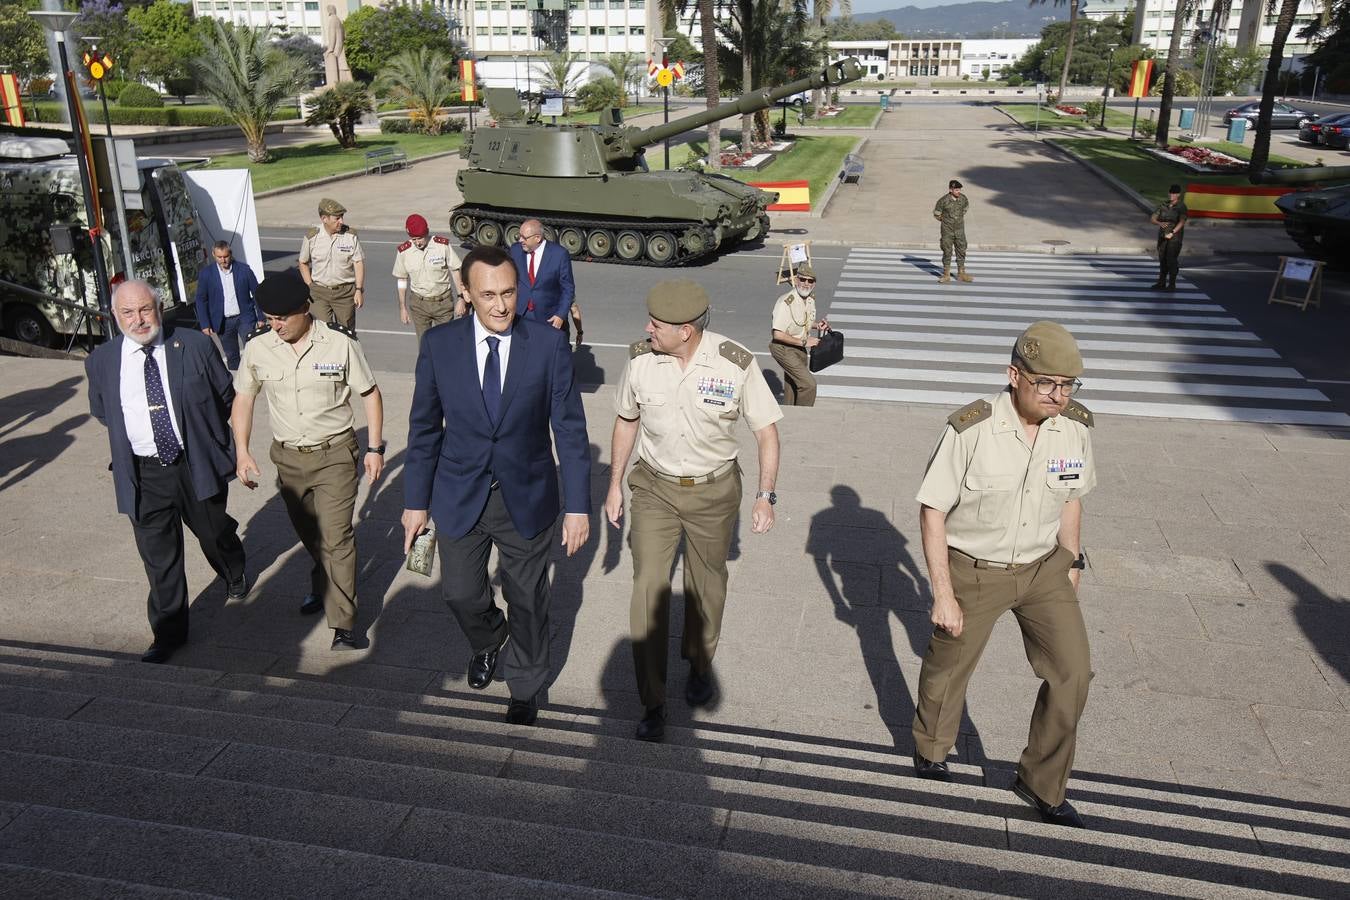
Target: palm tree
[
  {"x": 820, "y": 15},
  {"x": 555, "y": 74},
  {"x": 1068, "y": 46},
  {"x": 1169, "y": 89},
  {"x": 775, "y": 45},
  {"x": 420, "y": 78},
  {"x": 340, "y": 107},
  {"x": 624, "y": 67},
  {"x": 247, "y": 77},
  {"x": 671, "y": 10},
  {"x": 1284, "y": 22}
]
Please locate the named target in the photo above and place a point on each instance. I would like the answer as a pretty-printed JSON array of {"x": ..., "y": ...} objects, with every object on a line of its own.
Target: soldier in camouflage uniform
[{"x": 950, "y": 210}]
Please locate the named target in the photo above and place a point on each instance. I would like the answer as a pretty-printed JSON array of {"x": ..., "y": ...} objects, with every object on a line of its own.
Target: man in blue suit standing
[
  {"x": 165, "y": 399},
  {"x": 544, "y": 287},
  {"x": 480, "y": 463},
  {"x": 225, "y": 295}
]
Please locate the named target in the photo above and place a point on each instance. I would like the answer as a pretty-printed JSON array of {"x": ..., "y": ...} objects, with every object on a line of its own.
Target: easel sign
[
  {"x": 1298, "y": 282},
  {"x": 793, "y": 256}
]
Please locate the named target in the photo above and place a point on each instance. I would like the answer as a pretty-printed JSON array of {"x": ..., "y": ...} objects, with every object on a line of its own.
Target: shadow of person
[
  {"x": 588, "y": 372},
  {"x": 1323, "y": 619},
  {"x": 869, "y": 575},
  {"x": 21, "y": 457},
  {"x": 775, "y": 383},
  {"x": 19, "y": 409},
  {"x": 569, "y": 575}
]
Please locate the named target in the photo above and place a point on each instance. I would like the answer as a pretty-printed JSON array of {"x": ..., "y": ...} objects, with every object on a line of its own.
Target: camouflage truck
[{"x": 47, "y": 281}]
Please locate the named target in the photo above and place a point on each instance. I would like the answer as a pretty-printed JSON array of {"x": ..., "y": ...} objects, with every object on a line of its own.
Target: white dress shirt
[
  {"x": 480, "y": 344},
  {"x": 227, "y": 284},
  {"x": 135, "y": 403}
]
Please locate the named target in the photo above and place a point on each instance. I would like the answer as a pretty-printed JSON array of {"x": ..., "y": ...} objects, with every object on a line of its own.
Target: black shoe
[
  {"x": 698, "y": 689},
  {"x": 522, "y": 712},
  {"x": 343, "y": 639},
  {"x": 159, "y": 653},
  {"x": 237, "y": 589},
  {"x": 927, "y": 768},
  {"x": 311, "y": 604},
  {"x": 1157, "y": 286},
  {"x": 653, "y": 725},
  {"x": 1171, "y": 285},
  {"x": 482, "y": 665},
  {"x": 1064, "y": 814}
]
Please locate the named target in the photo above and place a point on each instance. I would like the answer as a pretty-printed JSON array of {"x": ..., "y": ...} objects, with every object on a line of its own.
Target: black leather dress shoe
[
  {"x": 933, "y": 771},
  {"x": 343, "y": 639},
  {"x": 522, "y": 712},
  {"x": 653, "y": 725},
  {"x": 311, "y": 604},
  {"x": 1157, "y": 286},
  {"x": 159, "y": 653},
  {"x": 698, "y": 689},
  {"x": 482, "y": 665},
  {"x": 1064, "y": 814}
]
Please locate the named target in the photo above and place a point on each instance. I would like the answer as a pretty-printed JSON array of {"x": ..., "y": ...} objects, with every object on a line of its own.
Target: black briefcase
[{"x": 828, "y": 352}]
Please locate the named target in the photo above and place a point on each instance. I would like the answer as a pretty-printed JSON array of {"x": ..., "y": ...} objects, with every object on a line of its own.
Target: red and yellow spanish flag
[
  {"x": 1140, "y": 76},
  {"x": 793, "y": 196},
  {"x": 9, "y": 93},
  {"x": 1225, "y": 201},
  {"x": 469, "y": 90}
]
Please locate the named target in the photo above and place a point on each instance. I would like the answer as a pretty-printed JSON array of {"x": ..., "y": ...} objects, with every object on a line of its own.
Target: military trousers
[
  {"x": 953, "y": 239},
  {"x": 1169, "y": 259},
  {"x": 1045, "y": 603},
  {"x": 660, "y": 513},
  {"x": 336, "y": 303},
  {"x": 428, "y": 311},
  {"x": 319, "y": 490},
  {"x": 799, "y": 384}
]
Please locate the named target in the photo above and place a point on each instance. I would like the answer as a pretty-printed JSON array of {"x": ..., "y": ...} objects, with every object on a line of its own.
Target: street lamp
[
  {"x": 1106, "y": 88},
  {"x": 662, "y": 44},
  {"x": 58, "y": 23}
]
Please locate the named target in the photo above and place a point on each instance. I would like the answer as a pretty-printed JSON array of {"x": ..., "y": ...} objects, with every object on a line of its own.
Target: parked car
[
  {"x": 1336, "y": 132},
  {"x": 1282, "y": 115},
  {"x": 1311, "y": 132}
]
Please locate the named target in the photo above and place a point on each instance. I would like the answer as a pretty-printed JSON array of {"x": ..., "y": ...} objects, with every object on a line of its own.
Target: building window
[
  {"x": 277, "y": 6},
  {"x": 312, "y": 5},
  {"x": 618, "y": 4},
  {"x": 481, "y": 31},
  {"x": 574, "y": 4},
  {"x": 577, "y": 30},
  {"x": 314, "y": 31},
  {"x": 517, "y": 4},
  {"x": 616, "y": 30},
  {"x": 499, "y": 4},
  {"x": 597, "y": 4},
  {"x": 256, "y": 7},
  {"x": 499, "y": 30},
  {"x": 480, "y": 4},
  {"x": 519, "y": 31},
  {"x": 597, "y": 31},
  {"x": 637, "y": 4},
  {"x": 638, "y": 30}
]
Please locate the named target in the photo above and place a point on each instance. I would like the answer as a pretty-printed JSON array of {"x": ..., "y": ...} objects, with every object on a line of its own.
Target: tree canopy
[
  {"x": 165, "y": 40},
  {"x": 23, "y": 46},
  {"x": 1092, "y": 55},
  {"x": 376, "y": 34}
]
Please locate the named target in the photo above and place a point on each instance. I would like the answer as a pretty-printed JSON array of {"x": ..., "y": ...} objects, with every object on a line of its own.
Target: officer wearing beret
[
  {"x": 334, "y": 266},
  {"x": 1000, "y": 513},
  {"x": 1170, "y": 217},
  {"x": 679, "y": 399},
  {"x": 794, "y": 317},
  {"x": 427, "y": 267},
  {"x": 308, "y": 369}
]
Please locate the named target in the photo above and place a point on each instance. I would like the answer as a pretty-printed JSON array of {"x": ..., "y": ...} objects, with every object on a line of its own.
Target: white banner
[{"x": 224, "y": 201}]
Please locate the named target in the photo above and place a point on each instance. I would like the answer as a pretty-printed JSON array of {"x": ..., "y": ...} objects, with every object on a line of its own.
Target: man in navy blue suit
[
  {"x": 225, "y": 300},
  {"x": 480, "y": 463},
  {"x": 165, "y": 398},
  {"x": 544, "y": 287}
]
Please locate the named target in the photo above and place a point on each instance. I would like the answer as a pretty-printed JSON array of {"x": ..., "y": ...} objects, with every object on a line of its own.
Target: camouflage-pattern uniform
[{"x": 950, "y": 211}]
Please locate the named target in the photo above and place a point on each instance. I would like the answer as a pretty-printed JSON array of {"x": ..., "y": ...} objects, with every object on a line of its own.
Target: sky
[{"x": 864, "y": 6}]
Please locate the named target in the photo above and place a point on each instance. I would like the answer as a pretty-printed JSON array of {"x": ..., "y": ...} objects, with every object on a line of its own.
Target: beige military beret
[
  {"x": 677, "y": 302},
  {"x": 1047, "y": 348},
  {"x": 330, "y": 207},
  {"x": 805, "y": 271}
]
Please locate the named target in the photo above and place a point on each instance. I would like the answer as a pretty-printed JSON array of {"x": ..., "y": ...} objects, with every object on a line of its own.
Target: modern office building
[{"x": 1248, "y": 24}]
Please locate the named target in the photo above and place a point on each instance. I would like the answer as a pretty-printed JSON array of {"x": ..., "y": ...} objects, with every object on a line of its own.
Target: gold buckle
[{"x": 687, "y": 482}]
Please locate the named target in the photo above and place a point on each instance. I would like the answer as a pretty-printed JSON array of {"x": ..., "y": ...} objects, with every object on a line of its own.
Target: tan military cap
[
  {"x": 330, "y": 207},
  {"x": 806, "y": 271},
  {"x": 677, "y": 302},
  {"x": 1047, "y": 348}
]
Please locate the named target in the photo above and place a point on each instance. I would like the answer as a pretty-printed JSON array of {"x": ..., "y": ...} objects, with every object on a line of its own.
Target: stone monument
[{"x": 334, "y": 49}]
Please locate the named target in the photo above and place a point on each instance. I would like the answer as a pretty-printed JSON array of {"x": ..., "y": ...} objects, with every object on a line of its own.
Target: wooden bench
[
  {"x": 852, "y": 170},
  {"x": 385, "y": 158}
]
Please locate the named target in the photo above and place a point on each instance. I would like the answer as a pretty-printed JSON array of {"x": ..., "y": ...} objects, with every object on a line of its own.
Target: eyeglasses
[
  {"x": 530, "y": 237},
  {"x": 1046, "y": 386}
]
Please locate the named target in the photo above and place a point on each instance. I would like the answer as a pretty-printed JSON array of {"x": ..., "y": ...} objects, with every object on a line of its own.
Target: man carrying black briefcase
[{"x": 794, "y": 320}]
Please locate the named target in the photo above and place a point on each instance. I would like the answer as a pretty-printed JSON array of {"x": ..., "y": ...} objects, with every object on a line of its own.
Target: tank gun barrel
[
  {"x": 1308, "y": 175},
  {"x": 836, "y": 73}
]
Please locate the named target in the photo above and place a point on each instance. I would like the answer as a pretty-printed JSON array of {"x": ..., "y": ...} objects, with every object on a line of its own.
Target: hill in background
[{"x": 970, "y": 20}]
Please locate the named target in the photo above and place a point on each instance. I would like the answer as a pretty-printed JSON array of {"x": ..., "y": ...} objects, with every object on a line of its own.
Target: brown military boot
[
  {"x": 961, "y": 273},
  {"x": 946, "y": 275}
]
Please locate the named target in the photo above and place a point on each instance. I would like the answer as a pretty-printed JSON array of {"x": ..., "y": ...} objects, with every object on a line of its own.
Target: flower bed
[
  {"x": 1211, "y": 160},
  {"x": 1071, "y": 110}
]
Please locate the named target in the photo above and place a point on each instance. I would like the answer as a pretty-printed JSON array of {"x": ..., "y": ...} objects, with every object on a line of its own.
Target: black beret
[{"x": 283, "y": 293}]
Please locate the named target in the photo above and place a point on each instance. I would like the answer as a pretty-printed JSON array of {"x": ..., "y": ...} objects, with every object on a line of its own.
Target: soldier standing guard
[
  {"x": 334, "y": 266},
  {"x": 678, "y": 401},
  {"x": 429, "y": 267},
  {"x": 950, "y": 210},
  {"x": 1001, "y": 514},
  {"x": 308, "y": 369},
  {"x": 1170, "y": 217}
]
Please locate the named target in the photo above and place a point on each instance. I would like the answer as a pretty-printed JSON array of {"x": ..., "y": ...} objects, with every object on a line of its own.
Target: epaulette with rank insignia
[
  {"x": 404, "y": 246},
  {"x": 311, "y": 232},
  {"x": 1079, "y": 413},
  {"x": 262, "y": 329},
  {"x": 342, "y": 329},
  {"x": 970, "y": 414},
  {"x": 736, "y": 353},
  {"x": 637, "y": 348},
  {"x": 440, "y": 240}
]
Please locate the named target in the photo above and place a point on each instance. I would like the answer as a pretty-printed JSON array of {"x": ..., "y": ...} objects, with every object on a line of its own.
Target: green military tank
[
  {"x": 1317, "y": 216},
  {"x": 589, "y": 184}
]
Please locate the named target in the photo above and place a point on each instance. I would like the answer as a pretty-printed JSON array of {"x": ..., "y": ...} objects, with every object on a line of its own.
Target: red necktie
[{"x": 531, "y": 267}]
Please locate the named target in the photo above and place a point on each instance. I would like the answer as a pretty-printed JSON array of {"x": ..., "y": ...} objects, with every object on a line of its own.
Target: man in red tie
[{"x": 545, "y": 290}]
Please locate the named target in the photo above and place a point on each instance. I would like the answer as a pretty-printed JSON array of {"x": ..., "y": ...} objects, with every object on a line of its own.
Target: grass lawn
[
  {"x": 1146, "y": 174},
  {"x": 816, "y": 159},
  {"x": 306, "y": 162},
  {"x": 1026, "y": 113},
  {"x": 853, "y": 116},
  {"x": 578, "y": 117}
]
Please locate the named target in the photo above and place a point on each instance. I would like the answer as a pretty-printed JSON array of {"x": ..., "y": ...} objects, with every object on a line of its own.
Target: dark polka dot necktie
[{"x": 167, "y": 447}]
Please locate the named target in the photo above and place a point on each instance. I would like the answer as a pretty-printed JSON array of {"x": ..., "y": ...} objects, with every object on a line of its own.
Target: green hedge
[
  {"x": 197, "y": 116},
  {"x": 399, "y": 125},
  {"x": 138, "y": 96}
]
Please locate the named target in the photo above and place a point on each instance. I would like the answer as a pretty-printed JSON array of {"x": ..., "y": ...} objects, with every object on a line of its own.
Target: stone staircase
[{"x": 127, "y": 780}]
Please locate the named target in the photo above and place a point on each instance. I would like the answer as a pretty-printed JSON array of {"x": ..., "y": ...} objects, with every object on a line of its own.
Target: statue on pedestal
[{"x": 334, "y": 49}]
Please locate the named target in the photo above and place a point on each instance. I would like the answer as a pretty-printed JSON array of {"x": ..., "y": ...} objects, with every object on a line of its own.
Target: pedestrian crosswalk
[{"x": 1169, "y": 355}]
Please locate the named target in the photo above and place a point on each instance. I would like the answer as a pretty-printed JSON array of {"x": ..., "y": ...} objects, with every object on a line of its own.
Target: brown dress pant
[
  {"x": 1043, "y": 599},
  {"x": 799, "y": 384},
  {"x": 428, "y": 311},
  {"x": 334, "y": 304}
]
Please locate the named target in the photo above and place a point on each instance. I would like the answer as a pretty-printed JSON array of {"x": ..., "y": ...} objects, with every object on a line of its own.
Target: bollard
[{"x": 1187, "y": 119}]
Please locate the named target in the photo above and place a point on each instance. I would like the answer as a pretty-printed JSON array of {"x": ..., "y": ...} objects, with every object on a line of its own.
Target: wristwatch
[
  {"x": 1080, "y": 562},
  {"x": 767, "y": 495},
  {"x": 379, "y": 449}
]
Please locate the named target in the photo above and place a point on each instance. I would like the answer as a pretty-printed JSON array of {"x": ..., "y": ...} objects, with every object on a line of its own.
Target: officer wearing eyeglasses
[
  {"x": 1000, "y": 513},
  {"x": 795, "y": 330}
]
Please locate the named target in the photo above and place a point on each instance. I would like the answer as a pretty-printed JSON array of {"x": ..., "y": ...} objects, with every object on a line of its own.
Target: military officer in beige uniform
[
  {"x": 308, "y": 370},
  {"x": 679, "y": 399},
  {"x": 1000, "y": 513},
  {"x": 794, "y": 318},
  {"x": 426, "y": 266},
  {"x": 334, "y": 266}
]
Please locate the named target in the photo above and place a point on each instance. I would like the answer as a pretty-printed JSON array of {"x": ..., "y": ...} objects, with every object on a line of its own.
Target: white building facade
[{"x": 1248, "y": 24}]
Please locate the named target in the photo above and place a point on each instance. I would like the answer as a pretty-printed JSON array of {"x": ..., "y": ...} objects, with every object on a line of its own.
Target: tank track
[{"x": 682, "y": 231}]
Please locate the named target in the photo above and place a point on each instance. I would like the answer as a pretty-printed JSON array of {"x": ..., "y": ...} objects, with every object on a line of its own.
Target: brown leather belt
[
  {"x": 989, "y": 564},
  {"x": 691, "y": 480},
  {"x": 315, "y": 448}
]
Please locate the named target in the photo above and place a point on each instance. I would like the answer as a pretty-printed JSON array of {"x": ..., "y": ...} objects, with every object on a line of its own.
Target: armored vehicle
[
  {"x": 47, "y": 283},
  {"x": 589, "y": 184},
  {"x": 1318, "y": 219}
]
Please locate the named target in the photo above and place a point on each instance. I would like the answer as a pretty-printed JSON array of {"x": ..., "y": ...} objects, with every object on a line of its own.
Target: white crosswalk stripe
[{"x": 1175, "y": 355}]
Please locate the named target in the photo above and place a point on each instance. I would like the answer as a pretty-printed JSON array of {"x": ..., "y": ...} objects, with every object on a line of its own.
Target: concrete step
[{"x": 28, "y": 883}]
